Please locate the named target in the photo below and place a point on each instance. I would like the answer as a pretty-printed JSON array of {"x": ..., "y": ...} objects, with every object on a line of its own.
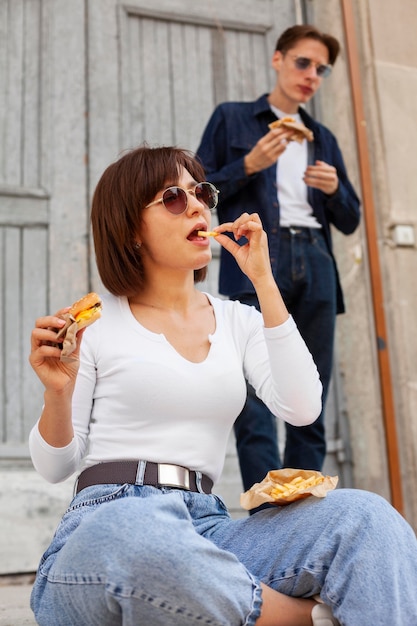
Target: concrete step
[{"x": 14, "y": 601}]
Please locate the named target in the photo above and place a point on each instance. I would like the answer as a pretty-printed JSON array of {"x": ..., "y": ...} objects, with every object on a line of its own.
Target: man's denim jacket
[{"x": 232, "y": 131}]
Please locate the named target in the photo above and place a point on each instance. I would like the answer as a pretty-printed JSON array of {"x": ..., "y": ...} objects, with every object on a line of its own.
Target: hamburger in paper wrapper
[
  {"x": 287, "y": 485},
  {"x": 82, "y": 313}
]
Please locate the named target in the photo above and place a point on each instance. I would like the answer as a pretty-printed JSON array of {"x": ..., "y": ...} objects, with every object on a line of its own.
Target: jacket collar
[{"x": 262, "y": 107}]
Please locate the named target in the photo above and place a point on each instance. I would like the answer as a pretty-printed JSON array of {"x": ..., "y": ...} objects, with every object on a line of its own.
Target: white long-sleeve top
[{"x": 137, "y": 398}]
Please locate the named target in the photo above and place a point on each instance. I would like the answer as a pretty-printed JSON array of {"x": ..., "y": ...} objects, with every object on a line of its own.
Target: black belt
[
  {"x": 144, "y": 473},
  {"x": 300, "y": 231}
]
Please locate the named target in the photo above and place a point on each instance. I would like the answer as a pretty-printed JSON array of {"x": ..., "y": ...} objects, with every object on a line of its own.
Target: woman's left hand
[{"x": 253, "y": 256}]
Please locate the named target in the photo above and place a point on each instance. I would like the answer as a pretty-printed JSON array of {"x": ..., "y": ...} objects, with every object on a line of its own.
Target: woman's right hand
[
  {"x": 56, "y": 375},
  {"x": 253, "y": 259}
]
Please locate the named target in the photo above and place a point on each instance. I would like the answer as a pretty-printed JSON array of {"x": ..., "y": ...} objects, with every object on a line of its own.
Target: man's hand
[
  {"x": 322, "y": 176},
  {"x": 267, "y": 150}
]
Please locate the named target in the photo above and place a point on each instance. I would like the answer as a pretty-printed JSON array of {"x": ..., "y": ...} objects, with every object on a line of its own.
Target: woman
[{"x": 147, "y": 408}]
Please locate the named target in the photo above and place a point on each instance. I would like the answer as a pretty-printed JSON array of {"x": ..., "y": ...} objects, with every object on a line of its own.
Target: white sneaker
[{"x": 322, "y": 616}]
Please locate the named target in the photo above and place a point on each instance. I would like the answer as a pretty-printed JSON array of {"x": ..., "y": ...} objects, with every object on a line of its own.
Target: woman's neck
[{"x": 167, "y": 297}]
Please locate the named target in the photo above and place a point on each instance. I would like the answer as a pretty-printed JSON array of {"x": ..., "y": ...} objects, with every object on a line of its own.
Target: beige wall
[
  {"x": 388, "y": 66},
  {"x": 394, "y": 48}
]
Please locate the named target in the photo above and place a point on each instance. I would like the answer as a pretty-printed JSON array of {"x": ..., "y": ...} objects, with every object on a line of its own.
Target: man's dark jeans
[{"x": 307, "y": 281}]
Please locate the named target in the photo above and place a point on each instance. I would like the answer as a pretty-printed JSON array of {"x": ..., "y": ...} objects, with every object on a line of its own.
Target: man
[{"x": 298, "y": 189}]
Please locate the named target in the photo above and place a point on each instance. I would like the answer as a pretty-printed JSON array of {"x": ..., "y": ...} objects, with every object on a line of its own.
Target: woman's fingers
[
  {"x": 50, "y": 321},
  {"x": 252, "y": 257},
  {"x": 45, "y": 330},
  {"x": 243, "y": 225}
]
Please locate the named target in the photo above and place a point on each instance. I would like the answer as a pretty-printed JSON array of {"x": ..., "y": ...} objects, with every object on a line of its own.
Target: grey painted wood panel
[
  {"x": 12, "y": 49},
  {"x": 34, "y": 302},
  {"x": 23, "y": 207},
  {"x": 12, "y": 321},
  {"x": 43, "y": 213},
  {"x": 31, "y": 98},
  {"x": 65, "y": 99},
  {"x": 168, "y": 96},
  {"x": 24, "y": 261},
  {"x": 20, "y": 52}
]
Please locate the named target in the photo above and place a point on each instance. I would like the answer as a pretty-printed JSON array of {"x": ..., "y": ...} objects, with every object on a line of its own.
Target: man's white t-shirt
[{"x": 292, "y": 190}]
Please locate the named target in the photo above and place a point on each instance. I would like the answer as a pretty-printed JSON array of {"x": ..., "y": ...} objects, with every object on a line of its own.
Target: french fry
[
  {"x": 207, "y": 233},
  {"x": 297, "y": 484},
  {"x": 287, "y": 485}
]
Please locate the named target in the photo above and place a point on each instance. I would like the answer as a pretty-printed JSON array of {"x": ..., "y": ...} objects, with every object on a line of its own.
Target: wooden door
[
  {"x": 43, "y": 239},
  {"x": 43, "y": 222}
]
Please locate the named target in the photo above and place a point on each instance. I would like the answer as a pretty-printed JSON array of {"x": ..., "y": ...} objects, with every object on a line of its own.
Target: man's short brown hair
[
  {"x": 121, "y": 195},
  {"x": 291, "y": 36}
]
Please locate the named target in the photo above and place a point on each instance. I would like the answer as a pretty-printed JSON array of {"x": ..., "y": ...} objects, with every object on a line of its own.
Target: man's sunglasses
[
  {"x": 175, "y": 199},
  {"x": 304, "y": 63}
]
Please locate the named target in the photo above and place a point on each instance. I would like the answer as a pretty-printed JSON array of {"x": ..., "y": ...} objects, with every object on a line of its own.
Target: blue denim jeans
[
  {"x": 307, "y": 281},
  {"x": 130, "y": 555}
]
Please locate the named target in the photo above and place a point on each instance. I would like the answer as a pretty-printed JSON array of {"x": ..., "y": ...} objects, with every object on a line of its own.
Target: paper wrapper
[
  {"x": 301, "y": 131},
  {"x": 260, "y": 493},
  {"x": 70, "y": 340}
]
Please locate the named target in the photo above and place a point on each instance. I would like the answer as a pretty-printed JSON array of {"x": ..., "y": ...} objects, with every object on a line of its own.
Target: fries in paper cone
[{"x": 287, "y": 485}]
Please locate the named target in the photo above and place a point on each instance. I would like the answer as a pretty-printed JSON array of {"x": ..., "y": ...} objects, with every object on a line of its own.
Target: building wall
[
  {"x": 392, "y": 54},
  {"x": 388, "y": 79}
]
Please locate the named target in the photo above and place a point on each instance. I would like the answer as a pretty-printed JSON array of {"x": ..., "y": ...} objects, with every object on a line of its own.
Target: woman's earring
[{"x": 137, "y": 245}]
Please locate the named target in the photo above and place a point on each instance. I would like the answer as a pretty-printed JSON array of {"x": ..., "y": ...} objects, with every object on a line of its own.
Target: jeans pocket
[
  {"x": 321, "y": 248},
  {"x": 96, "y": 495}
]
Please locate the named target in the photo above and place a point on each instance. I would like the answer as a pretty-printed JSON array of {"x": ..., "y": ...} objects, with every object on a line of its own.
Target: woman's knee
[{"x": 366, "y": 513}]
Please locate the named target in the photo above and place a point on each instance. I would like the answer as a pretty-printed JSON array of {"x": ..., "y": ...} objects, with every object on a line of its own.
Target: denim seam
[
  {"x": 255, "y": 609},
  {"x": 161, "y": 604}
]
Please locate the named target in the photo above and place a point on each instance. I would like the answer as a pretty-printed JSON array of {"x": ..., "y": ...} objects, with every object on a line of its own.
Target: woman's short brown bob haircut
[
  {"x": 123, "y": 191},
  {"x": 289, "y": 38}
]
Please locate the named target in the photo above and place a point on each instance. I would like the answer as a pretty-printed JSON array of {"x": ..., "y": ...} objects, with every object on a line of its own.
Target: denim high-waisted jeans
[{"x": 136, "y": 555}]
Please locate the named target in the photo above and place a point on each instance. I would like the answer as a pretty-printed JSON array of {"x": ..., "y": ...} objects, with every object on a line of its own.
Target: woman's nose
[{"x": 194, "y": 205}]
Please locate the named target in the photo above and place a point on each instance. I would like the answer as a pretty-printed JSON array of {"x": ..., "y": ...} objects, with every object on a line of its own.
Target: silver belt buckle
[{"x": 173, "y": 476}]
